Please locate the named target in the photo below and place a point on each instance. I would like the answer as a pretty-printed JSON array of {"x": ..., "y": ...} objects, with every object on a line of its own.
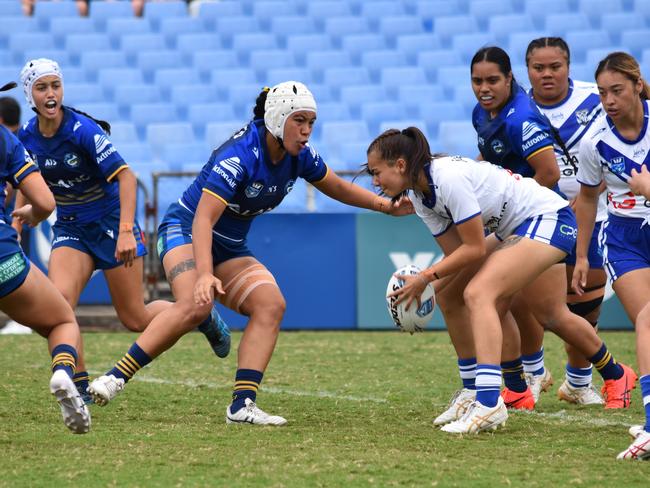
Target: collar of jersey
[
  {"x": 429, "y": 202},
  {"x": 64, "y": 121},
  {"x": 643, "y": 129},
  {"x": 560, "y": 103}
]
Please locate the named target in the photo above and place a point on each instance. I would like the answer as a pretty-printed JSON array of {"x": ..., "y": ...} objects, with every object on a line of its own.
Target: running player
[
  {"x": 95, "y": 194},
  {"x": 612, "y": 151},
  {"x": 203, "y": 242},
  {"x": 26, "y": 295},
  {"x": 571, "y": 106},
  {"x": 459, "y": 200}
]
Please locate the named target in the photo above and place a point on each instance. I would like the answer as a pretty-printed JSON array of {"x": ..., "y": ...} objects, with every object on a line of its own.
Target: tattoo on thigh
[
  {"x": 186, "y": 265},
  {"x": 509, "y": 242}
]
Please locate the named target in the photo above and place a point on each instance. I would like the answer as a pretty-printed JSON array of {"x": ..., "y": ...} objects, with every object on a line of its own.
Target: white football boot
[
  {"x": 252, "y": 414},
  {"x": 105, "y": 388},
  {"x": 587, "y": 395},
  {"x": 76, "y": 416},
  {"x": 458, "y": 405},
  {"x": 639, "y": 449},
  {"x": 539, "y": 383},
  {"x": 478, "y": 418},
  {"x": 636, "y": 430}
]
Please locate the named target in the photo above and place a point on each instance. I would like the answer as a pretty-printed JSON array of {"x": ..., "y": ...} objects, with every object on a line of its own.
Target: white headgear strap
[
  {"x": 35, "y": 69},
  {"x": 283, "y": 100}
]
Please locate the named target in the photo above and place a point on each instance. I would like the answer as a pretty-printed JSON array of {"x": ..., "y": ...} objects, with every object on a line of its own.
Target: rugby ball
[{"x": 415, "y": 319}]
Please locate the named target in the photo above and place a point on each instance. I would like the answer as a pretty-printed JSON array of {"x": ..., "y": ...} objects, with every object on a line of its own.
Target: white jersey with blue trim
[
  {"x": 606, "y": 154},
  {"x": 462, "y": 188},
  {"x": 572, "y": 117}
]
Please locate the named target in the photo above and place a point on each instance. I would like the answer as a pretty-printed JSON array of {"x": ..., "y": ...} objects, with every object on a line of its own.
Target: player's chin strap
[{"x": 8, "y": 86}]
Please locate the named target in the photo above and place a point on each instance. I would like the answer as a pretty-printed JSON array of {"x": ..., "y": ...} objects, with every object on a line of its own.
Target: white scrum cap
[
  {"x": 283, "y": 100},
  {"x": 35, "y": 69}
]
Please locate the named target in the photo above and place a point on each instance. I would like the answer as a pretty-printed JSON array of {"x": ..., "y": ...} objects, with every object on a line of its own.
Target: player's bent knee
[
  {"x": 244, "y": 283},
  {"x": 586, "y": 309}
]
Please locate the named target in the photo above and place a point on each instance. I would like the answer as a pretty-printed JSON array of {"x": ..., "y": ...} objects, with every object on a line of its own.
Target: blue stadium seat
[
  {"x": 123, "y": 132},
  {"x": 209, "y": 12},
  {"x": 381, "y": 9},
  {"x": 112, "y": 77},
  {"x": 466, "y": 45},
  {"x": 166, "y": 78},
  {"x": 581, "y": 41},
  {"x": 92, "y": 61},
  {"x": 180, "y": 156},
  {"x": 458, "y": 137},
  {"x": 583, "y": 72},
  {"x": 636, "y": 40},
  {"x": 376, "y": 112},
  {"x": 185, "y": 94},
  {"x": 74, "y": 75},
  {"x": 333, "y": 111},
  {"x": 597, "y": 9},
  {"x": 353, "y": 156},
  {"x": 302, "y": 45},
  {"x": 101, "y": 12},
  {"x": 594, "y": 56},
  {"x": 482, "y": 8},
  {"x": 337, "y": 27},
  {"x": 318, "y": 61},
  {"x": 642, "y": 8},
  {"x": 540, "y": 9},
  {"x": 562, "y": 24},
  {"x": 10, "y": 9},
  {"x": 413, "y": 44},
  {"x": 464, "y": 96},
  {"x": 278, "y": 75},
  {"x": 170, "y": 28},
  {"x": 446, "y": 27},
  {"x": 136, "y": 154},
  {"x": 204, "y": 61},
  {"x": 501, "y": 26},
  {"x": 229, "y": 27},
  {"x": 77, "y": 44},
  {"x": 187, "y": 44},
  {"x": 9, "y": 72},
  {"x": 452, "y": 76},
  {"x": 432, "y": 60},
  {"x": 392, "y": 78},
  {"x": 392, "y": 27},
  {"x": 263, "y": 60},
  {"x": 132, "y": 44},
  {"x": 334, "y": 134},
  {"x": 374, "y": 61},
  {"x": 199, "y": 115},
  {"x": 518, "y": 44},
  {"x": 243, "y": 44},
  {"x": 411, "y": 96},
  {"x": 149, "y": 61},
  {"x": 16, "y": 25},
  {"x": 157, "y": 11},
  {"x": 402, "y": 124},
  {"x": 159, "y": 134},
  {"x": 222, "y": 78},
  {"x": 216, "y": 133},
  {"x": 355, "y": 96},
  {"x": 118, "y": 27},
  {"x": 285, "y": 25},
  {"x": 59, "y": 55},
  {"x": 322, "y": 92},
  {"x": 20, "y": 43},
  {"x": 129, "y": 94},
  {"x": 357, "y": 44},
  {"x": 618, "y": 23},
  {"x": 45, "y": 12},
  {"x": 100, "y": 110},
  {"x": 435, "y": 112},
  {"x": 266, "y": 9},
  {"x": 322, "y": 9},
  {"x": 62, "y": 26},
  {"x": 76, "y": 93},
  {"x": 429, "y": 9},
  {"x": 339, "y": 77}
]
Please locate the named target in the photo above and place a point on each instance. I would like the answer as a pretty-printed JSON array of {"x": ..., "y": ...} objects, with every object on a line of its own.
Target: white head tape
[
  {"x": 283, "y": 100},
  {"x": 35, "y": 69}
]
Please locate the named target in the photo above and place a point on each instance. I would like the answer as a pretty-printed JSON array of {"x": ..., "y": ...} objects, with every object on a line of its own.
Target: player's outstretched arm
[{"x": 35, "y": 190}]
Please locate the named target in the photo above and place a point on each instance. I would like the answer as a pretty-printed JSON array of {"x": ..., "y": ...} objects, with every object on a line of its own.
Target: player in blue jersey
[
  {"x": 95, "y": 194},
  {"x": 571, "y": 106},
  {"x": 203, "y": 241},
  {"x": 26, "y": 295},
  {"x": 459, "y": 200},
  {"x": 613, "y": 151}
]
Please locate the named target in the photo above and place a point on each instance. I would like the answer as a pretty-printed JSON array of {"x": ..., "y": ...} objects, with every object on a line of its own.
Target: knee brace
[{"x": 243, "y": 283}]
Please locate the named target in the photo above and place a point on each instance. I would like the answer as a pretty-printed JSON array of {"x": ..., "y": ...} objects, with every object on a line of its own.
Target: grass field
[{"x": 359, "y": 406}]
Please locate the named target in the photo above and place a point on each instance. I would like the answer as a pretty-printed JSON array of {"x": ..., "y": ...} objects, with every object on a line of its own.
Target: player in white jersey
[
  {"x": 459, "y": 199},
  {"x": 615, "y": 147},
  {"x": 571, "y": 107}
]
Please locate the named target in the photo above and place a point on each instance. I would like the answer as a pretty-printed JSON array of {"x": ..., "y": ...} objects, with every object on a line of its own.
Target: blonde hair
[{"x": 626, "y": 65}]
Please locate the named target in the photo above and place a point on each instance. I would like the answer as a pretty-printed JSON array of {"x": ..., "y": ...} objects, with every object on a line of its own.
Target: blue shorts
[
  {"x": 558, "y": 229},
  {"x": 595, "y": 254},
  {"x": 14, "y": 265},
  {"x": 97, "y": 239},
  {"x": 626, "y": 245},
  {"x": 176, "y": 230}
]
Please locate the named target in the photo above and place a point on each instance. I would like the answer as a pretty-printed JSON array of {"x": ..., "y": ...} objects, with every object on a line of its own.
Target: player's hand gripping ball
[{"x": 416, "y": 318}]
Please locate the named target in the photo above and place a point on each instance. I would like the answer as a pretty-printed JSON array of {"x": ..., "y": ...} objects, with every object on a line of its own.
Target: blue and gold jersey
[
  {"x": 15, "y": 163},
  {"x": 516, "y": 134},
  {"x": 241, "y": 175},
  {"x": 79, "y": 164}
]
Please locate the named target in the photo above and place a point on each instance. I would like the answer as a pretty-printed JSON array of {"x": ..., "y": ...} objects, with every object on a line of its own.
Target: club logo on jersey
[
  {"x": 70, "y": 159},
  {"x": 253, "y": 190},
  {"x": 557, "y": 116},
  {"x": 582, "y": 116},
  {"x": 289, "y": 186},
  {"x": 497, "y": 146},
  {"x": 510, "y": 112},
  {"x": 101, "y": 141},
  {"x": 232, "y": 165},
  {"x": 481, "y": 141},
  {"x": 617, "y": 165},
  {"x": 77, "y": 124},
  {"x": 110, "y": 233},
  {"x": 256, "y": 152},
  {"x": 50, "y": 163}
]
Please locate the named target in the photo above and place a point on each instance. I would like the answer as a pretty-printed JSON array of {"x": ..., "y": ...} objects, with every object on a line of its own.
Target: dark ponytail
[
  {"x": 102, "y": 123},
  {"x": 258, "y": 110},
  {"x": 409, "y": 144}
]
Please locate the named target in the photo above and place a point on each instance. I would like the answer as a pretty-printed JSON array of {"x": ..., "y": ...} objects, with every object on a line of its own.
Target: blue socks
[
  {"x": 578, "y": 377},
  {"x": 64, "y": 357},
  {"x": 488, "y": 384},
  {"x": 247, "y": 381},
  {"x": 645, "y": 393},
  {"x": 513, "y": 375},
  {"x": 467, "y": 369},
  {"x": 134, "y": 360},
  {"x": 606, "y": 365},
  {"x": 534, "y": 363}
]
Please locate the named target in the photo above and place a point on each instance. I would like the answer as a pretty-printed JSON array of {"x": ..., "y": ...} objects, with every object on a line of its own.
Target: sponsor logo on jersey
[
  {"x": 639, "y": 151},
  {"x": 231, "y": 183},
  {"x": 239, "y": 133},
  {"x": 497, "y": 146},
  {"x": 77, "y": 124},
  {"x": 510, "y": 112},
  {"x": 105, "y": 154},
  {"x": 555, "y": 116},
  {"x": 232, "y": 165},
  {"x": 528, "y": 130},
  {"x": 50, "y": 163},
  {"x": 582, "y": 116},
  {"x": 568, "y": 230},
  {"x": 253, "y": 190},
  {"x": 71, "y": 159},
  {"x": 289, "y": 186},
  {"x": 64, "y": 238},
  {"x": 101, "y": 141},
  {"x": 617, "y": 165}
]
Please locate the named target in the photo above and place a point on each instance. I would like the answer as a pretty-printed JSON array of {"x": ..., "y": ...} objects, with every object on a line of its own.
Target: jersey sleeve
[
  {"x": 19, "y": 162},
  {"x": 311, "y": 166},
  {"x": 590, "y": 172},
  {"x": 529, "y": 132},
  {"x": 436, "y": 223},
  {"x": 228, "y": 172},
  {"x": 97, "y": 144},
  {"x": 457, "y": 194}
]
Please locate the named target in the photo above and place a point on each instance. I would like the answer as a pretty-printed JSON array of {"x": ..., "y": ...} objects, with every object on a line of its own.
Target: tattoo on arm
[
  {"x": 186, "y": 265},
  {"x": 509, "y": 242}
]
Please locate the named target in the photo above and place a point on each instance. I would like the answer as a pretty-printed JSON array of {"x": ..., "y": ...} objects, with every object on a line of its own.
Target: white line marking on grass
[
  {"x": 266, "y": 389},
  {"x": 563, "y": 417}
]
